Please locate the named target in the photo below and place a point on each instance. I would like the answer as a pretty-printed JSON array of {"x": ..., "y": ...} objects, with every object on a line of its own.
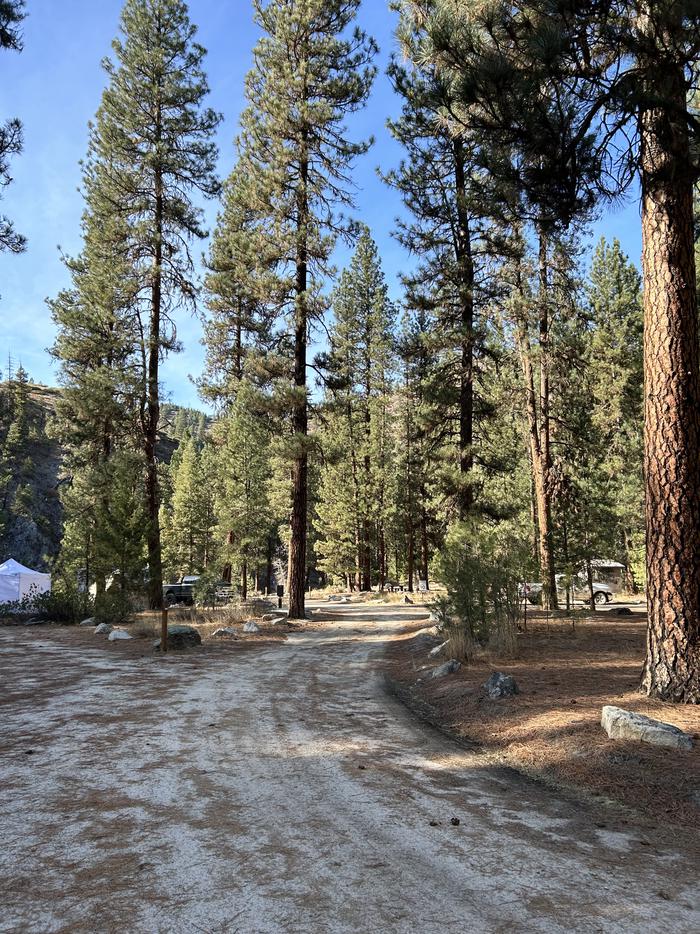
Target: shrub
[
  {"x": 481, "y": 566},
  {"x": 63, "y": 604},
  {"x": 206, "y": 587},
  {"x": 113, "y": 607}
]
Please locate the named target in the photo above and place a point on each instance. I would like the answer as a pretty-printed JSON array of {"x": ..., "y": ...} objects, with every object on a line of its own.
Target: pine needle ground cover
[{"x": 551, "y": 730}]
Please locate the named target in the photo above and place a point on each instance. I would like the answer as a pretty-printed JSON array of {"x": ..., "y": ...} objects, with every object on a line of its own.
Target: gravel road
[{"x": 283, "y": 790}]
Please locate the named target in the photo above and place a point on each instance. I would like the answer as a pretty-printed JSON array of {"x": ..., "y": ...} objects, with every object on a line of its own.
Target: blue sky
[{"x": 54, "y": 86}]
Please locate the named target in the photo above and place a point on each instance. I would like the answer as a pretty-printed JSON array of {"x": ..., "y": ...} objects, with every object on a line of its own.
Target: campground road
[{"x": 283, "y": 790}]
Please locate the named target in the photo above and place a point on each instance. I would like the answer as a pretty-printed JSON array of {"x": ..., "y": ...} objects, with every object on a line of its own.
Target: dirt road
[{"x": 282, "y": 790}]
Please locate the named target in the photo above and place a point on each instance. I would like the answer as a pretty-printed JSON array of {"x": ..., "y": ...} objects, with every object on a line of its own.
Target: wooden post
[{"x": 164, "y": 631}]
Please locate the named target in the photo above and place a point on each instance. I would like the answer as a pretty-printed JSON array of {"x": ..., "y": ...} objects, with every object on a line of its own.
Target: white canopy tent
[{"x": 17, "y": 582}]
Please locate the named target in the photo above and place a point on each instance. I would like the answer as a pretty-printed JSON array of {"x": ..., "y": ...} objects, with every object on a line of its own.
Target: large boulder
[
  {"x": 251, "y": 627},
  {"x": 183, "y": 637},
  {"x": 623, "y": 724},
  {"x": 226, "y": 631},
  {"x": 448, "y": 668},
  {"x": 103, "y": 629},
  {"x": 500, "y": 685},
  {"x": 119, "y": 635},
  {"x": 89, "y": 622}
]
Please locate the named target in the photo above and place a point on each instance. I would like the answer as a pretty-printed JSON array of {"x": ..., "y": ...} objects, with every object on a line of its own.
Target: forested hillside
[
  {"x": 30, "y": 473},
  {"x": 34, "y": 477}
]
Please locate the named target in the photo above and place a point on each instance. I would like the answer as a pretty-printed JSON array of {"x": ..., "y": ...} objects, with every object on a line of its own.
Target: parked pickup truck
[{"x": 181, "y": 592}]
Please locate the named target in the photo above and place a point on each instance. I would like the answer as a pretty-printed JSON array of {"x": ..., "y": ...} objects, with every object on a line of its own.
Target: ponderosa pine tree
[
  {"x": 417, "y": 446},
  {"x": 236, "y": 294},
  {"x": 96, "y": 413},
  {"x": 337, "y": 513},
  {"x": 188, "y": 519},
  {"x": 441, "y": 183},
  {"x": 11, "y": 16},
  {"x": 360, "y": 366},
  {"x": 312, "y": 69},
  {"x": 153, "y": 139},
  {"x": 243, "y": 506}
]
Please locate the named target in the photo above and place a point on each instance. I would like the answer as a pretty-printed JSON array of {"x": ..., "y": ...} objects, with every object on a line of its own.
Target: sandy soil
[
  {"x": 280, "y": 789},
  {"x": 566, "y": 675}
]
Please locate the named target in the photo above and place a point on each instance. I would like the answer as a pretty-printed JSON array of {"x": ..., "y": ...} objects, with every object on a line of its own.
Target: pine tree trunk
[
  {"x": 381, "y": 557},
  {"x": 366, "y": 521},
  {"x": 268, "y": 567},
  {"x": 300, "y": 416},
  {"x": 630, "y": 582},
  {"x": 541, "y": 508},
  {"x": 424, "y": 547},
  {"x": 155, "y": 563},
  {"x": 244, "y": 581},
  {"x": 465, "y": 264},
  {"x": 411, "y": 561},
  {"x": 672, "y": 396},
  {"x": 589, "y": 581},
  {"x": 544, "y": 506}
]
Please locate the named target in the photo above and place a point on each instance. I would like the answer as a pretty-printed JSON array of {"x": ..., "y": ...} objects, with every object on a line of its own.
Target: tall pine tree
[
  {"x": 312, "y": 69},
  {"x": 153, "y": 141}
]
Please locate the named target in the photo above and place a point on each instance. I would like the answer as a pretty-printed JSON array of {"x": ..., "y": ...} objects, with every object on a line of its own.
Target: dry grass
[
  {"x": 552, "y": 729},
  {"x": 147, "y": 624}
]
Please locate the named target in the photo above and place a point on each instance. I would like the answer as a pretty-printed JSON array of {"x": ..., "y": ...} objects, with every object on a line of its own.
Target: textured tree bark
[
  {"x": 542, "y": 507},
  {"x": 155, "y": 561},
  {"x": 465, "y": 262},
  {"x": 672, "y": 395},
  {"x": 424, "y": 545},
  {"x": 366, "y": 519},
  {"x": 268, "y": 566},
  {"x": 381, "y": 558},
  {"x": 300, "y": 415},
  {"x": 544, "y": 497}
]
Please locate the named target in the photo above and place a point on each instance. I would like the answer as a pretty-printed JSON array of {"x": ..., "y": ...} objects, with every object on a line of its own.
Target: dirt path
[{"x": 282, "y": 790}]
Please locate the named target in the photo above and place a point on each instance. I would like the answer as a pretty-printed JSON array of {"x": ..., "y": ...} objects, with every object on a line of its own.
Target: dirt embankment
[{"x": 551, "y": 730}]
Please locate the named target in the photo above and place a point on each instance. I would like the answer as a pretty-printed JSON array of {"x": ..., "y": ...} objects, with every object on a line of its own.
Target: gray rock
[
  {"x": 251, "y": 627},
  {"x": 103, "y": 629},
  {"x": 500, "y": 685},
  {"x": 623, "y": 724},
  {"x": 119, "y": 635},
  {"x": 439, "y": 649},
  {"x": 448, "y": 668},
  {"x": 277, "y": 617},
  {"x": 226, "y": 631},
  {"x": 183, "y": 637},
  {"x": 89, "y": 622}
]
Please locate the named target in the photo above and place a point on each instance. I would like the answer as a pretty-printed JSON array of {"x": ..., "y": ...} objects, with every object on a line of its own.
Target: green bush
[
  {"x": 114, "y": 607},
  {"x": 63, "y": 604},
  {"x": 481, "y": 565}
]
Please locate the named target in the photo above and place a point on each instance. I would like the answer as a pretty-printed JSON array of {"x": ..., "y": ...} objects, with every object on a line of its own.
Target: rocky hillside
[{"x": 30, "y": 481}]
